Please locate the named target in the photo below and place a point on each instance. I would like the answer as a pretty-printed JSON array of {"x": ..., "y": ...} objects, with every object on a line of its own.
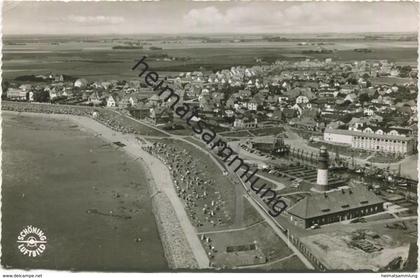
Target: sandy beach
[
  {"x": 91, "y": 200},
  {"x": 182, "y": 246}
]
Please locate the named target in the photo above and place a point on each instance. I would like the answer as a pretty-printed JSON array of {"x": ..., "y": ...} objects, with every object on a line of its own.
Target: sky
[{"x": 197, "y": 17}]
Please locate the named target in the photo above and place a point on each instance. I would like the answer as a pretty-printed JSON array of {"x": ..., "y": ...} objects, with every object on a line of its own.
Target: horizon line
[{"x": 211, "y": 33}]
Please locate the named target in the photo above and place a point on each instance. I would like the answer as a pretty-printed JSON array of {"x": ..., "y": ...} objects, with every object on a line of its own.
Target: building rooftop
[
  {"x": 366, "y": 134},
  {"x": 328, "y": 203}
]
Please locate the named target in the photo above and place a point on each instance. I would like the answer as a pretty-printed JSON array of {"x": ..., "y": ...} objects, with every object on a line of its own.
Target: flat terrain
[
  {"x": 269, "y": 246},
  {"x": 90, "y": 199},
  {"x": 96, "y": 60}
]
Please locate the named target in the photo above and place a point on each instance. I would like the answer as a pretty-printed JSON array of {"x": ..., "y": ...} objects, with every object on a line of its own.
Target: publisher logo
[{"x": 32, "y": 241}]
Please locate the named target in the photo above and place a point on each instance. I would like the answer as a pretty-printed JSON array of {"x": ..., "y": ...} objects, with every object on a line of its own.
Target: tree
[
  {"x": 364, "y": 98},
  {"x": 352, "y": 81},
  {"x": 346, "y": 118},
  {"x": 404, "y": 71},
  {"x": 41, "y": 96},
  {"x": 4, "y": 86}
]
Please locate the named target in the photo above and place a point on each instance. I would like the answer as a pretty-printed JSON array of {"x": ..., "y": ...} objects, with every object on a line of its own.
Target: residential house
[
  {"x": 302, "y": 99},
  {"x": 298, "y": 108},
  {"x": 139, "y": 111},
  {"x": 160, "y": 116},
  {"x": 112, "y": 100},
  {"x": 350, "y": 97},
  {"x": 95, "y": 98},
  {"x": 254, "y": 103},
  {"x": 124, "y": 102},
  {"x": 242, "y": 122}
]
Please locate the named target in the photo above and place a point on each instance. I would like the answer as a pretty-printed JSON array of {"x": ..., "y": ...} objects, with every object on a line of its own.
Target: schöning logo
[{"x": 32, "y": 241}]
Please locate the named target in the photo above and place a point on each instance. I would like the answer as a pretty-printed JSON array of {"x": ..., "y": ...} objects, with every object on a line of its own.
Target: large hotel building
[{"x": 382, "y": 140}]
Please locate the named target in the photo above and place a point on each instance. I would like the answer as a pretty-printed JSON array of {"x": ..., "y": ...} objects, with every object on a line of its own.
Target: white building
[
  {"x": 111, "y": 102},
  {"x": 367, "y": 139},
  {"x": 240, "y": 123},
  {"x": 302, "y": 99},
  {"x": 16, "y": 94}
]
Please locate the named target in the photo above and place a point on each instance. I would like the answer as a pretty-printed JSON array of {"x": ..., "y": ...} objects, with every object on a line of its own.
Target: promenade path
[{"x": 254, "y": 203}]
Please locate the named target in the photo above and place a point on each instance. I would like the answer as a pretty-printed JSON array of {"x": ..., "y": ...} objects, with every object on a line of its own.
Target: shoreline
[{"x": 175, "y": 242}]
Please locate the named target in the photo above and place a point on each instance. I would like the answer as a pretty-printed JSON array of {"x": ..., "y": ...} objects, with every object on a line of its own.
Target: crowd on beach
[{"x": 193, "y": 185}]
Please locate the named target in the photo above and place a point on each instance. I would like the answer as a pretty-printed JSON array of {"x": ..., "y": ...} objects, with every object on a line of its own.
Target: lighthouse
[{"x": 322, "y": 175}]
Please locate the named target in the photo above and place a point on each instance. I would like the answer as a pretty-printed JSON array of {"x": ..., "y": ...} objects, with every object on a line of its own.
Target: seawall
[{"x": 176, "y": 247}]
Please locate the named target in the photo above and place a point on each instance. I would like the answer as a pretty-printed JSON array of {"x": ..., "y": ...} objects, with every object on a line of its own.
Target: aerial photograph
[{"x": 209, "y": 136}]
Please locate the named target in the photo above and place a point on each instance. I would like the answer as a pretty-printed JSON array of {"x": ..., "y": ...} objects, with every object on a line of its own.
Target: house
[
  {"x": 139, "y": 111},
  {"x": 357, "y": 123},
  {"x": 350, "y": 97},
  {"x": 95, "y": 98},
  {"x": 242, "y": 122},
  {"x": 302, "y": 99},
  {"x": 289, "y": 113},
  {"x": 230, "y": 102},
  {"x": 277, "y": 115},
  {"x": 254, "y": 103},
  {"x": 368, "y": 111},
  {"x": 155, "y": 100},
  {"x": 112, "y": 100},
  {"x": 282, "y": 99},
  {"x": 335, "y": 124},
  {"x": 306, "y": 123},
  {"x": 311, "y": 112},
  {"x": 80, "y": 83},
  {"x": 160, "y": 116},
  {"x": 294, "y": 93},
  {"x": 298, "y": 108},
  {"x": 229, "y": 113},
  {"x": 347, "y": 89},
  {"x": 52, "y": 93},
  {"x": 124, "y": 102},
  {"x": 133, "y": 100}
]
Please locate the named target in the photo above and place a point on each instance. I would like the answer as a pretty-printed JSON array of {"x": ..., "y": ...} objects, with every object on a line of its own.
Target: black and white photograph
[{"x": 143, "y": 137}]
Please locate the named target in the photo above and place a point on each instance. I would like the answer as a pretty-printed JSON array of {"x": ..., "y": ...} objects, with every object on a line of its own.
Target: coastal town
[
  {"x": 368, "y": 106},
  {"x": 333, "y": 139},
  {"x": 209, "y": 137}
]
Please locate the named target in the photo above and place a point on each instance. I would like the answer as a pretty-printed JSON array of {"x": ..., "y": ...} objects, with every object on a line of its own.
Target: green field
[{"x": 269, "y": 246}]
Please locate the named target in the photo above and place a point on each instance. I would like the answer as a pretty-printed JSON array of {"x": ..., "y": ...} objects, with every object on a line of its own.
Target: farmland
[{"x": 96, "y": 60}]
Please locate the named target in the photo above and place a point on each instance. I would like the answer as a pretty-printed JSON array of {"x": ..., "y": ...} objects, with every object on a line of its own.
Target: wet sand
[{"x": 90, "y": 198}]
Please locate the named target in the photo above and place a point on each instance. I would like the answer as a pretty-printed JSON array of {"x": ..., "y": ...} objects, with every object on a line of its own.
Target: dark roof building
[{"x": 335, "y": 206}]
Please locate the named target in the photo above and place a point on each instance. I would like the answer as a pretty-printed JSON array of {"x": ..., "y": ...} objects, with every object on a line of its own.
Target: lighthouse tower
[{"x": 322, "y": 176}]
